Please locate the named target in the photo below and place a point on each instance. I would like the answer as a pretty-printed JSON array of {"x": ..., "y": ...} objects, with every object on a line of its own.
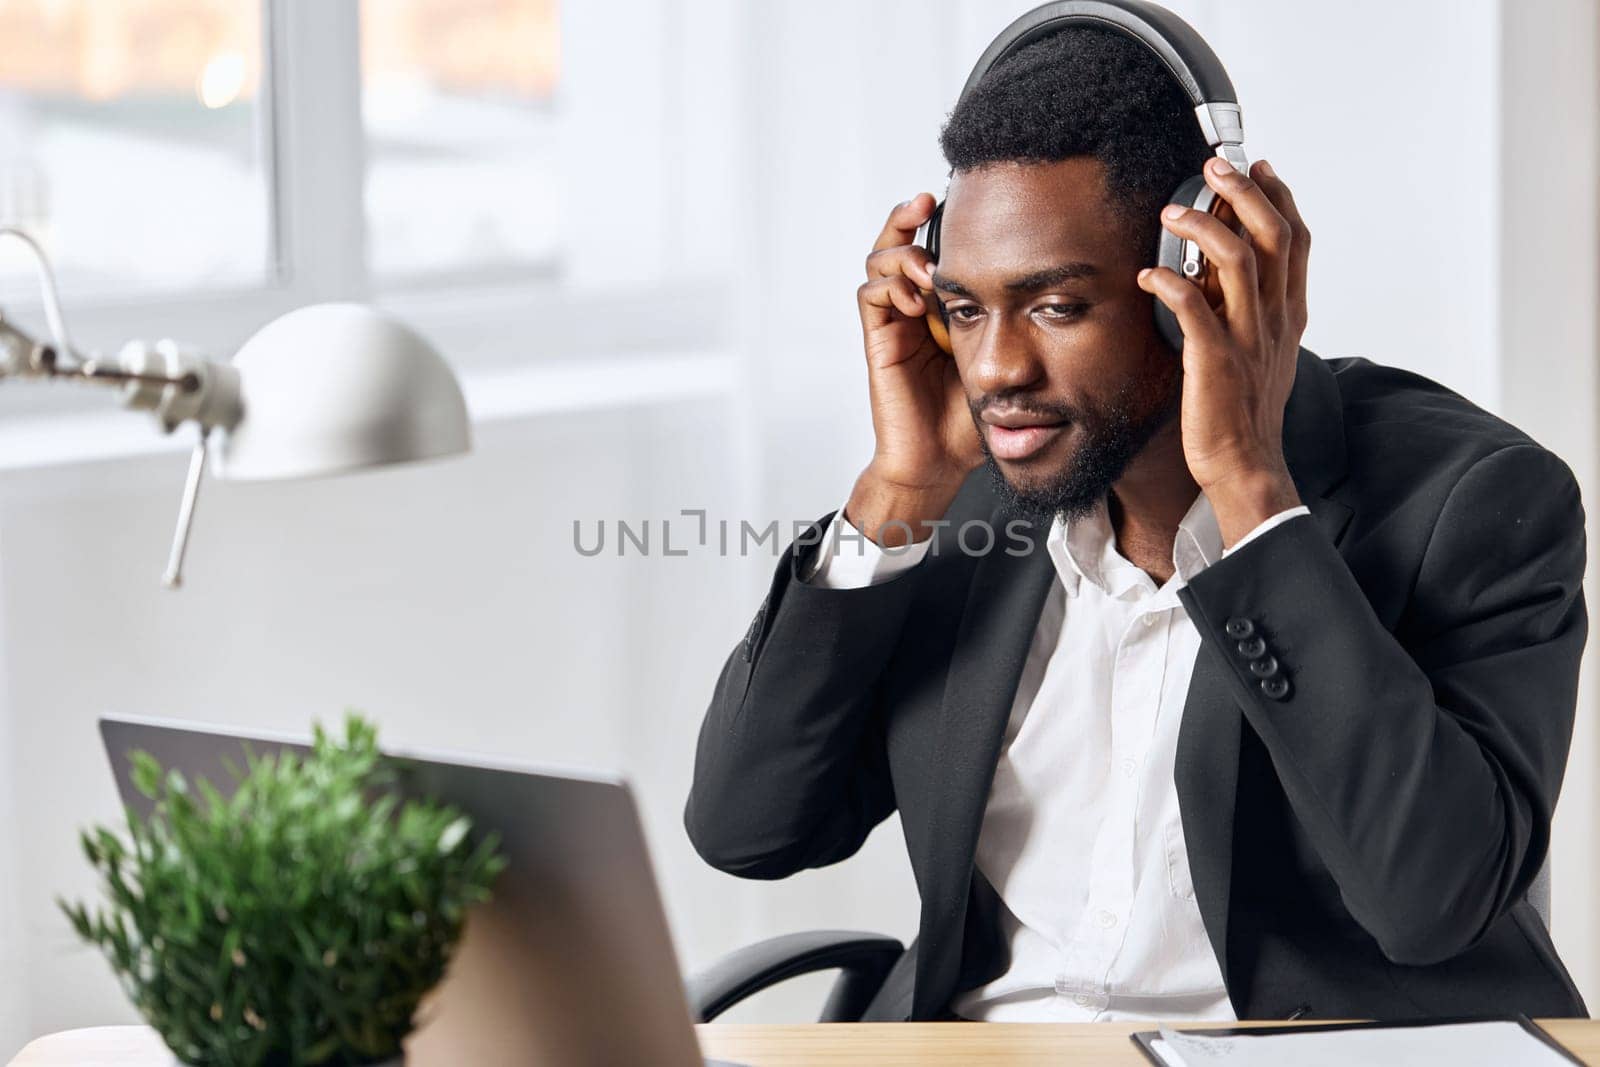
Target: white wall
[
  {"x": 447, "y": 600},
  {"x": 1548, "y": 212}
]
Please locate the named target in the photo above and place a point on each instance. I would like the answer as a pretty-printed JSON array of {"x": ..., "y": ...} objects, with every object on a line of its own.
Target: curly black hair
[{"x": 1085, "y": 91}]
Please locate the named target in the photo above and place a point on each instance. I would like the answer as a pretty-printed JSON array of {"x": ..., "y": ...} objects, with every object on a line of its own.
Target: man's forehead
[
  {"x": 1029, "y": 189},
  {"x": 1016, "y": 218}
]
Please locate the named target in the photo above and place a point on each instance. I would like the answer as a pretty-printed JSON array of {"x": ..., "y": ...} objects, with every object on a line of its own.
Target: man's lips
[{"x": 1021, "y": 441}]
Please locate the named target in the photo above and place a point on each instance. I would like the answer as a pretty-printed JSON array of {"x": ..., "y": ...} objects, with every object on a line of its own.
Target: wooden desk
[
  {"x": 882, "y": 1045},
  {"x": 984, "y": 1044}
]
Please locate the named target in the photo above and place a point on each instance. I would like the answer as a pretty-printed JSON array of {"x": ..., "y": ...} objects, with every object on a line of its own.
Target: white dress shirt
[{"x": 1081, "y": 835}]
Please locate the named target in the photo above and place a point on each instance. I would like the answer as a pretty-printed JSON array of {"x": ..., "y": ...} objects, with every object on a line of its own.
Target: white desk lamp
[{"x": 322, "y": 390}]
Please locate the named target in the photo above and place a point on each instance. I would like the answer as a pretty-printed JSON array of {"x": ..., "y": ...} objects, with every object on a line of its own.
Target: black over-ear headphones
[{"x": 1192, "y": 63}]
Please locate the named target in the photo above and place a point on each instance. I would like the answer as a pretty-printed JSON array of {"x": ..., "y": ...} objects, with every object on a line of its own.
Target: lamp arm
[
  {"x": 175, "y": 385},
  {"x": 47, "y": 290},
  {"x": 178, "y": 387},
  {"x": 173, "y": 578}
]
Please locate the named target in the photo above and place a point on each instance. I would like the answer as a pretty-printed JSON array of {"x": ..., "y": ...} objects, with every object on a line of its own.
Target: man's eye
[
  {"x": 960, "y": 314},
  {"x": 1065, "y": 311}
]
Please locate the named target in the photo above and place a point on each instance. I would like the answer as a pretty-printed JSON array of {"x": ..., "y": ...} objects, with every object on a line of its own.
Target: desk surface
[
  {"x": 981, "y": 1044},
  {"x": 882, "y": 1045},
  {"x": 892, "y": 1045}
]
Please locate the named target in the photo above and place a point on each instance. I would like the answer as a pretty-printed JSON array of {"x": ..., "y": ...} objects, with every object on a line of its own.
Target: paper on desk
[{"x": 1492, "y": 1044}]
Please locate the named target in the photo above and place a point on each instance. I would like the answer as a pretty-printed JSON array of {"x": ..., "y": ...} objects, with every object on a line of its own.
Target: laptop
[{"x": 569, "y": 963}]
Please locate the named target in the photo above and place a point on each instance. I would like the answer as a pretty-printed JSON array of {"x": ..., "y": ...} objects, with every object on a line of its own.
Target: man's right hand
[{"x": 926, "y": 440}]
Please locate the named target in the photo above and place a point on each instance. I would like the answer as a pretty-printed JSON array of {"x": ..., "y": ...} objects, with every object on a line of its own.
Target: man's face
[{"x": 1057, "y": 347}]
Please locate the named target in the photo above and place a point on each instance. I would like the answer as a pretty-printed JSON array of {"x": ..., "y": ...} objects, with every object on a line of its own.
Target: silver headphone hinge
[
  {"x": 1221, "y": 122},
  {"x": 1223, "y": 126}
]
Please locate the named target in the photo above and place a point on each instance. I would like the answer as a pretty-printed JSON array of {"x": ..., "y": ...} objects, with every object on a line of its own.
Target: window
[
  {"x": 133, "y": 143},
  {"x": 514, "y": 178},
  {"x": 458, "y": 108}
]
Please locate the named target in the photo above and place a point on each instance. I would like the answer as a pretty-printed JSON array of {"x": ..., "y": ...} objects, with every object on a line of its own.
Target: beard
[{"x": 1111, "y": 436}]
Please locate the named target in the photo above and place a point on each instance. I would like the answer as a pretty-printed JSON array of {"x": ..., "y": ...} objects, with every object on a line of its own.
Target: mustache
[{"x": 1052, "y": 411}]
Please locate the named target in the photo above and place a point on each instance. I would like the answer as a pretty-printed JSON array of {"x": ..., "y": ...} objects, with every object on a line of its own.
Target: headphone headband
[{"x": 1174, "y": 41}]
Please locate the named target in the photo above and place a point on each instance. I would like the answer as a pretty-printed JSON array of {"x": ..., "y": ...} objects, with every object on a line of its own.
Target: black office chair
[{"x": 862, "y": 960}]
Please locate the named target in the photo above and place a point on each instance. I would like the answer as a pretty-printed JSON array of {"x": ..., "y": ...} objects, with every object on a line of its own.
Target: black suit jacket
[{"x": 1361, "y": 846}]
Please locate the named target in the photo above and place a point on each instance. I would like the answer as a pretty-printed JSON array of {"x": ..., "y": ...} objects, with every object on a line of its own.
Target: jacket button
[
  {"x": 1254, "y": 648},
  {"x": 1276, "y": 687},
  {"x": 1239, "y": 629},
  {"x": 1265, "y": 667}
]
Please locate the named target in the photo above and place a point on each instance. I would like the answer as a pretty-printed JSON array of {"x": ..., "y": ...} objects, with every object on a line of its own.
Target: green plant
[{"x": 297, "y": 921}]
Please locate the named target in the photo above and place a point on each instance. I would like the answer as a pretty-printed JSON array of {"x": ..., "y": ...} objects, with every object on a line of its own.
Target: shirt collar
[{"x": 1084, "y": 549}]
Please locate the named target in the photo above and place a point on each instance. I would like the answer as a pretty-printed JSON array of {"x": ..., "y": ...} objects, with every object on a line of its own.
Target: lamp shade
[{"x": 338, "y": 387}]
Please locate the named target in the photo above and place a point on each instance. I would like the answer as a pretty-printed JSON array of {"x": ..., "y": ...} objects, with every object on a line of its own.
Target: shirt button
[
  {"x": 1128, "y": 767},
  {"x": 1081, "y": 1000},
  {"x": 1149, "y": 620},
  {"x": 1106, "y": 920}
]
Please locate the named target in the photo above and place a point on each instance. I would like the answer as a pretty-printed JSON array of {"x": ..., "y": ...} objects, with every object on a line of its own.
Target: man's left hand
[{"x": 1239, "y": 360}]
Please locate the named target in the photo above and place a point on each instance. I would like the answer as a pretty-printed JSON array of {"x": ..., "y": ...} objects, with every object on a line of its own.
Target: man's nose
[{"x": 1005, "y": 360}]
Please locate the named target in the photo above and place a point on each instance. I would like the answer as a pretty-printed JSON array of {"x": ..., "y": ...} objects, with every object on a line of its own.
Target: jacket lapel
[
  {"x": 1207, "y": 768},
  {"x": 1002, "y": 607},
  {"x": 1206, "y": 776}
]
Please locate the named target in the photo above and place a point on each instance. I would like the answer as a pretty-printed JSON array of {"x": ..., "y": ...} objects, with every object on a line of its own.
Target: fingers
[
  {"x": 898, "y": 271},
  {"x": 881, "y": 297},
  {"x": 901, "y": 226},
  {"x": 911, "y": 260},
  {"x": 1269, "y": 231},
  {"x": 1230, "y": 257},
  {"x": 893, "y": 254},
  {"x": 1186, "y": 300},
  {"x": 1299, "y": 254}
]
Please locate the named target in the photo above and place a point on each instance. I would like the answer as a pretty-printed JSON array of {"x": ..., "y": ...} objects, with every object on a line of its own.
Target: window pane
[
  {"x": 458, "y": 101},
  {"x": 131, "y": 143}
]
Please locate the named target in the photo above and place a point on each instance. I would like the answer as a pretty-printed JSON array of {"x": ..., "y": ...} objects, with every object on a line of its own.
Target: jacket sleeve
[
  {"x": 790, "y": 769},
  {"x": 1424, "y": 767}
]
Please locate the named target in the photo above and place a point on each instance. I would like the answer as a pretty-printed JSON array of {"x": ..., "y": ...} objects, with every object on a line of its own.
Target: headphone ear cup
[
  {"x": 1169, "y": 254},
  {"x": 929, "y": 237}
]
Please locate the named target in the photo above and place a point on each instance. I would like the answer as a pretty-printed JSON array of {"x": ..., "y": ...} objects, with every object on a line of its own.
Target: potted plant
[{"x": 298, "y": 919}]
